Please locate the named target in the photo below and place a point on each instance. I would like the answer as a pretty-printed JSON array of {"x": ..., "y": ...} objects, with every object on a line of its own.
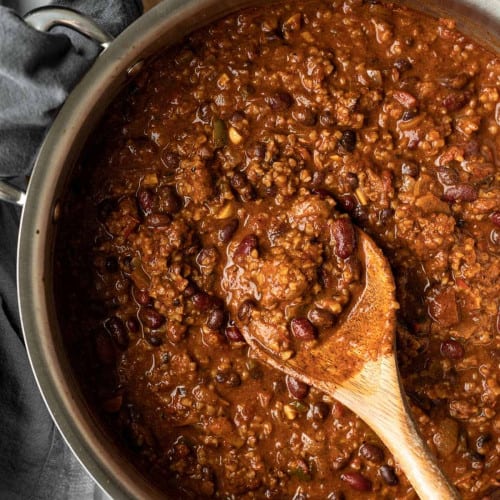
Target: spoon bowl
[{"x": 356, "y": 364}]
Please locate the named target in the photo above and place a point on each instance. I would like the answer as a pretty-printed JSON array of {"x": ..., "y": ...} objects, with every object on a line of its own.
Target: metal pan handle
[{"x": 43, "y": 19}]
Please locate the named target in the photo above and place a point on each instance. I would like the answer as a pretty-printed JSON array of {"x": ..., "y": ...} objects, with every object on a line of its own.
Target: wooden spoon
[{"x": 364, "y": 377}]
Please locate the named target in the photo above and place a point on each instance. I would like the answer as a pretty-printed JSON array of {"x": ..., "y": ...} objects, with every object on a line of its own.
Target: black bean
[
  {"x": 460, "y": 192},
  {"x": 151, "y": 317},
  {"x": 402, "y": 65},
  {"x": 343, "y": 236},
  {"x": 320, "y": 411},
  {"x": 410, "y": 168},
  {"x": 234, "y": 334},
  {"x": 146, "y": 199},
  {"x": 246, "y": 246},
  {"x": 220, "y": 377},
  {"x": 389, "y": 475},
  {"x": 371, "y": 452},
  {"x": 302, "y": 329},
  {"x": 296, "y": 387},
  {"x": 452, "y": 349},
  {"x": 215, "y": 319},
  {"x": 155, "y": 340},
  {"x": 227, "y": 231},
  {"x": 118, "y": 331},
  {"x": 112, "y": 264},
  {"x": 321, "y": 318},
  {"x": 356, "y": 481},
  {"x": 170, "y": 160},
  {"x": 280, "y": 100},
  {"x": 348, "y": 140},
  {"x": 245, "y": 310}
]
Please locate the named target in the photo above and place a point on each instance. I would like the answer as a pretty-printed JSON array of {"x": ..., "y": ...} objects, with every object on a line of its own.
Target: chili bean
[
  {"x": 410, "y": 168},
  {"x": 157, "y": 220},
  {"x": 227, "y": 232},
  {"x": 348, "y": 202},
  {"x": 146, "y": 199},
  {"x": 320, "y": 411},
  {"x": 245, "y": 310},
  {"x": 371, "y": 452},
  {"x": 403, "y": 65},
  {"x": 189, "y": 291},
  {"x": 343, "y": 236},
  {"x": 455, "y": 100},
  {"x": 389, "y": 475},
  {"x": 460, "y": 192},
  {"x": 151, "y": 317},
  {"x": 170, "y": 160},
  {"x": 348, "y": 140},
  {"x": 321, "y": 318},
  {"x": 141, "y": 296},
  {"x": 280, "y": 100},
  {"x": 302, "y": 329},
  {"x": 356, "y": 481},
  {"x": 452, "y": 349},
  {"x": 118, "y": 331},
  {"x": 233, "y": 334},
  {"x": 495, "y": 218},
  {"x": 215, "y": 319},
  {"x": 495, "y": 236},
  {"x": 352, "y": 180},
  {"x": 202, "y": 301},
  {"x": 296, "y": 387},
  {"x": 246, "y": 245}
]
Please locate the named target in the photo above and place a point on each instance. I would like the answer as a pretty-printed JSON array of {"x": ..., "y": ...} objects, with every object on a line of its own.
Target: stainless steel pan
[{"x": 122, "y": 58}]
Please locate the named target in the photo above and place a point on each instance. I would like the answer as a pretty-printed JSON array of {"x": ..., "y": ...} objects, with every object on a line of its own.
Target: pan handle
[{"x": 45, "y": 18}]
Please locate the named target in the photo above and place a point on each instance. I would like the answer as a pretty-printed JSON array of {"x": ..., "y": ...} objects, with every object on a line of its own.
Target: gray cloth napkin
[{"x": 37, "y": 71}]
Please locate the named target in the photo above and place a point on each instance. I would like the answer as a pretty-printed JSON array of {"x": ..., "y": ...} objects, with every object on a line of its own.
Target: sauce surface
[{"x": 220, "y": 192}]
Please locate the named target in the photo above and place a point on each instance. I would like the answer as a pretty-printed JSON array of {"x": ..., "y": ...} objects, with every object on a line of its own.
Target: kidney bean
[
  {"x": 246, "y": 246},
  {"x": 233, "y": 334},
  {"x": 495, "y": 236},
  {"x": 202, "y": 301},
  {"x": 240, "y": 184},
  {"x": 455, "y": 81},
  {"x": 302, "y": 329},
  {"x": 403, "y": 65},
  {"x": 460, "y": 192},
  {"x": 227, "y": 231},
  {"x": 371, "y": 452},
  {"x": 146, "y": 200},
  {"x": 133, "y": 324},
  {"x": 320, "y": 411},
  {"x": 455, "y": 100},
  {"x": 151, "y": 317},
  {"x": 141, "y": 296},
  {"x": 118, "y": 331},
  {"x": 348, "y": 202},
  {"x": 279, "y": 100},
  {"x": 320, "y": 318},
  {"x": 170, "y": 160},
  {"x": 344, "y": 237},
  {"x": 405, "y": 99},
  {"x": 452, "y": 349},
  {"x": 495, "y": 217},
  {"x": 296, "y": 388},
  {"x": 389, "y": 475},
  {"x": 356, "y": 481},
  {"x": 410, "y": 168},
  {"x": 157, "y": 220},
  {"x": 348, "y": 140},
  {"x": 216, "y": 319},
  {"x": 245, "y": 310},
  {"x": 104, "y": 348}
]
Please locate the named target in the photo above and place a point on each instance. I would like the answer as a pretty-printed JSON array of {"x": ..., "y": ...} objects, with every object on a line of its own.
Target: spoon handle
[{"x": 387, "y": 413}]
